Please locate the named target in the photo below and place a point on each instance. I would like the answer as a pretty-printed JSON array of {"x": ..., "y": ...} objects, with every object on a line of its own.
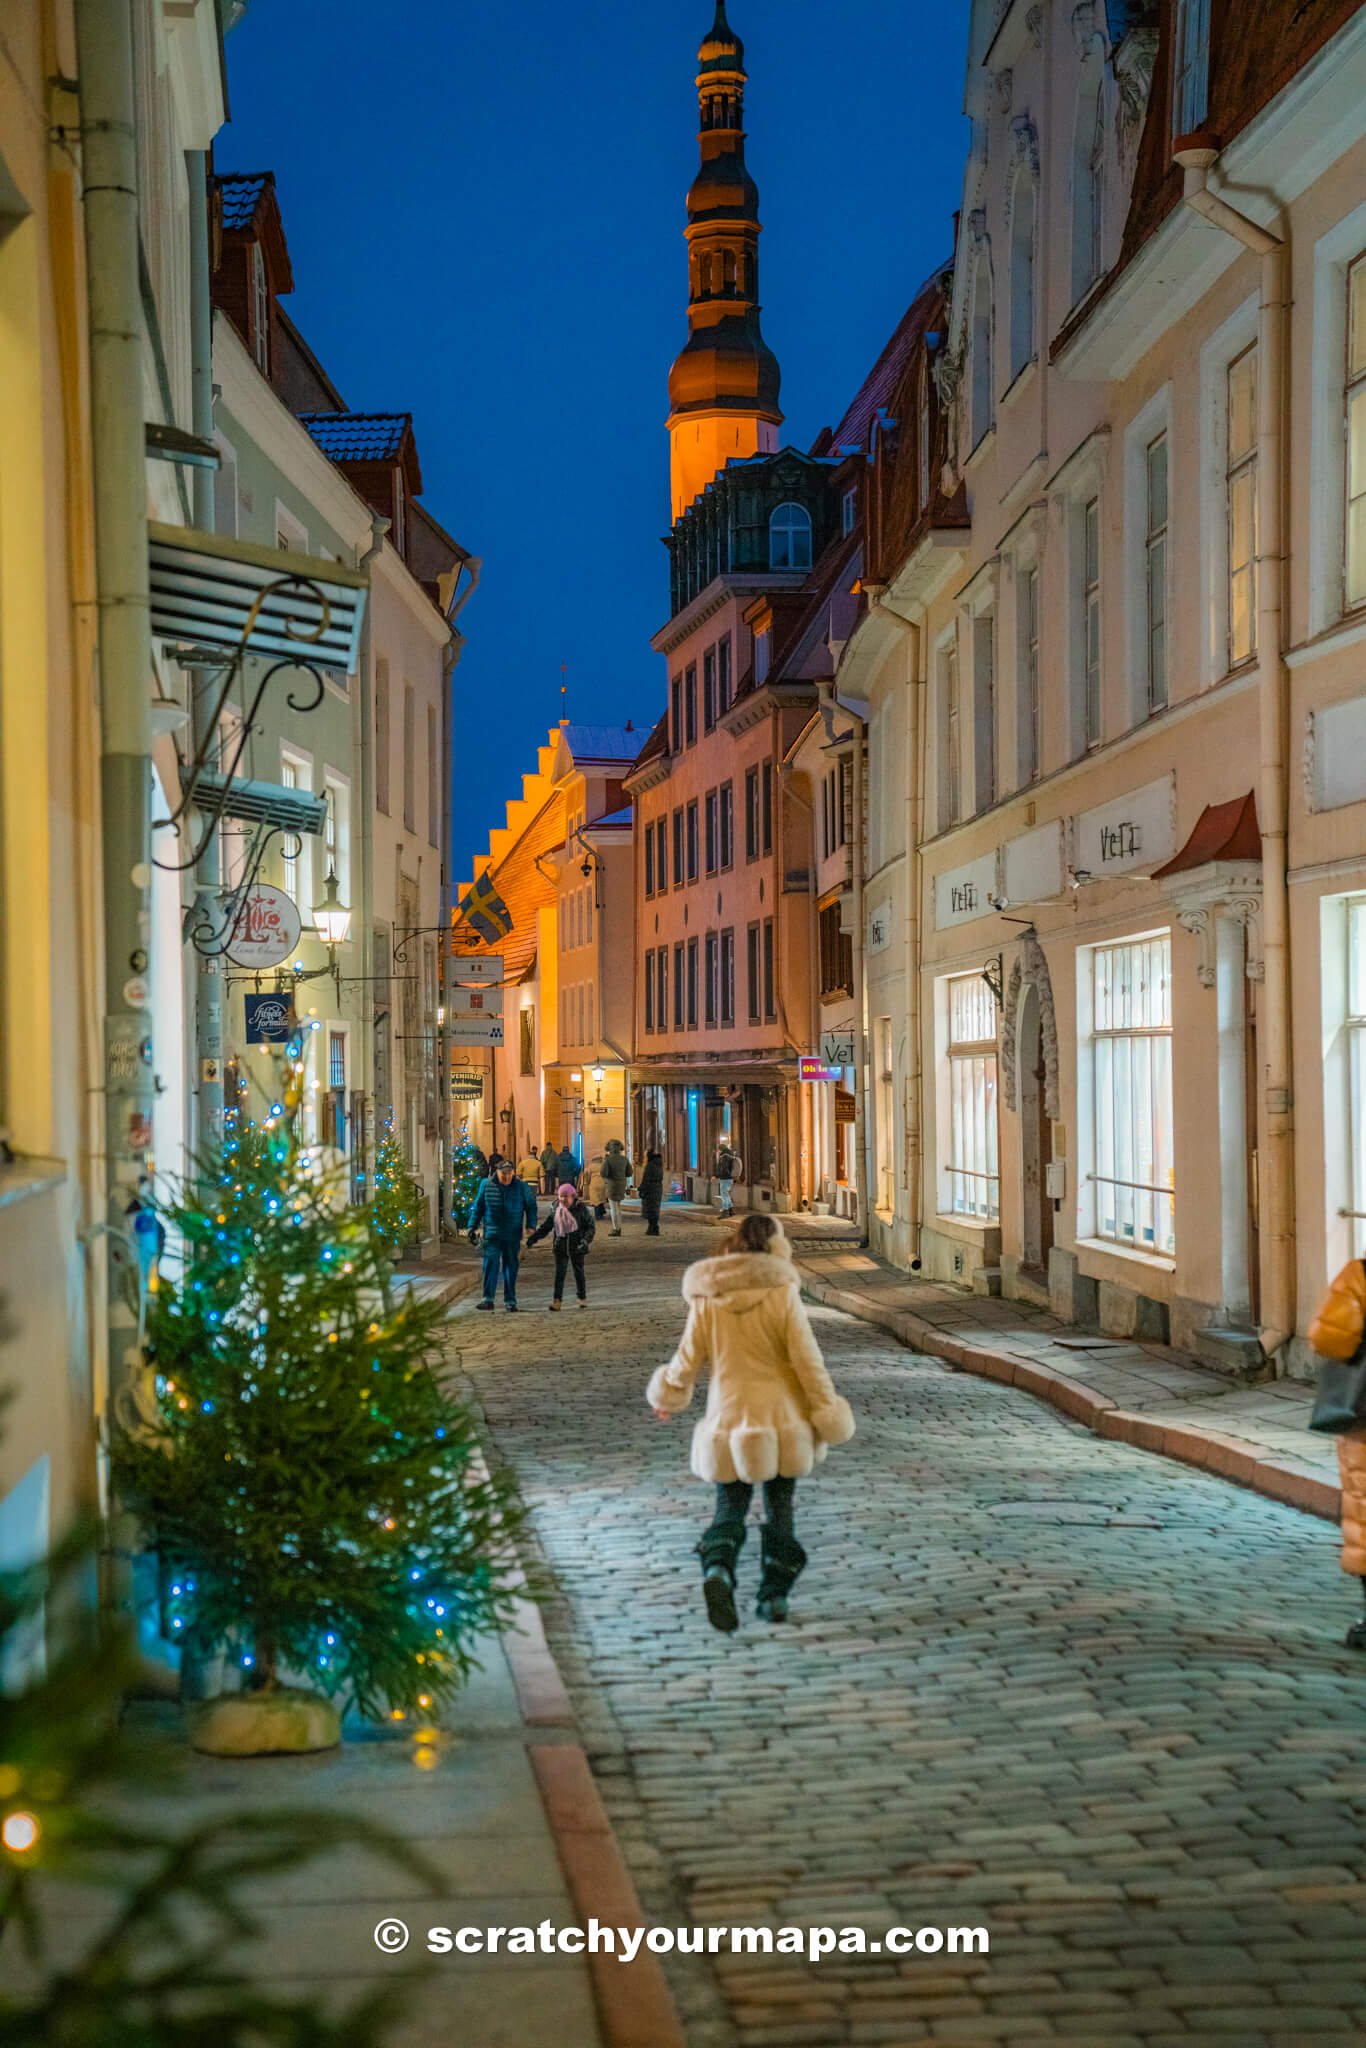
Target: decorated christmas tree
[
  {"x": 396, "y": 1206},
  {"x": 467, "y": 1175},
  {"x": 315, "y": 1496}
]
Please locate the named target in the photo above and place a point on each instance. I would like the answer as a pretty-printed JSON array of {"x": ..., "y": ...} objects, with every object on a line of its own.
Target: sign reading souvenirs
[
  {"x": 485, "y": 967},
  {"x": 270, "y": 1019},
  {"x": 965, "y": 893},
  {"x": 267, "y": 928},
  {"x": 810, "y": 1068},
  {"x": 467, "y": 1084},
  {"x": 837, "y": 1047}
]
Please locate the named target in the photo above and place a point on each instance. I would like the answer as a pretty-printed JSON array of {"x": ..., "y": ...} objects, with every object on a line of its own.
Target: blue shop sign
[{"x": 270, "y": 1019}]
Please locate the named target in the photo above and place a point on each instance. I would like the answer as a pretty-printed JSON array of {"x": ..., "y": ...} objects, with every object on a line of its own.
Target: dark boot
[
  {"x": 719, "y": 1548},
  {"x": 783, "y": 1563},
  {"x": 1356, "y": 1634}
]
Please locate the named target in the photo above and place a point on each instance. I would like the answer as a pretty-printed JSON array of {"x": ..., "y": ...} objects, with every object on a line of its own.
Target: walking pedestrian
[
  {"x": 772, "y": 1409},
  {"x": 550, "y": 1164},
  {"x": 572, "y": 1222},
  {"x": 567, "y": 1168},
  {"x": 504, "y": 1207},
  {"x": 529, "y": 1168},
  {"x": 616, "y": 1174},
  {"x": 597, "y": 1188},
  {"x": 651, "y": 1184},
  {"x": 1338, "y": 1333},
  {"x": 729, "y": 1167}
]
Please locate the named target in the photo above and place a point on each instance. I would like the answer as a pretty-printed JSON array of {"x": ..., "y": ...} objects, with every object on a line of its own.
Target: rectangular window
[
  {"x": 770, "y": 990},
  {"x": 836, "y": 954},
  {"x": 984, "y": 706},
  {"x": 260, "y": 311},
  {"x": 973, "y": 1167},
  {"x": 712, "y": 833},
  {"x": 709, "y": 689},
  {"x": 662, "y": 986},
  {"x": 650, "y": 990},
  {"x": 1356, "y": 434},
  {"x": 693, "y": 835},
  {"x": 1029, "y": 673},
  {"x": 409, "y": 758},
  {"x": 1090, "y": 622},
  {"x": 382, "y": 734},
  {"x": 1241, "y": 460},
  {"x": 678, "y": 848},
  {"x": 952, "y": 774},
  {"x": 845, "y": 820},
  {"x": 289, "y": 858},
  {"x": 1356, "y": 1070},
  {"x": 827, "y": 813},
  {"x": 1134, "y": 1172},
  {"x": 766, "y": 806},
  {"x": 526, "y": 1024},
  {"x": 1155, "y": 548},
  {"x": 337, "y": 833},
  {"x": 752, "y": 973},
  {"x": 723, "y": 675},
  {"x": 676, "y": 715},
  {"x": 728, "y": 976},
  {"x": 692, "y": 984},
  {"x": 690, "y": 705},
  {"x": 1190, "y": 95},
  {"x": 336, "y": 1059},
  {"x": 433, "y": 780},
  {"x": 296, "y": 772},
  {"x": 751, "y": 814},
  {"x": 727, "y": 809},
  {"x": 712, "y": 978},
  {"x": 848, "y": 511},
  {"x": 661, "y": 855},
  {"x": 650, "y": 859},
  {"x": 680, "y": 986}
]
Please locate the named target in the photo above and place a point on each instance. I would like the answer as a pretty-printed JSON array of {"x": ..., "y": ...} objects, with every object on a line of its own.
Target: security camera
[
  {"x": 999, "y": 902},
  {"x": 1078, "y": 877}
]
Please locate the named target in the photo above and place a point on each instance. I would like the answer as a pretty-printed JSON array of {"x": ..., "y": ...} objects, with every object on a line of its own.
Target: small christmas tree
[
  {"x": 316, "y": 1497},
  {"x": 397, "y": 1200},
  {"x": 467, "y": 1176}
]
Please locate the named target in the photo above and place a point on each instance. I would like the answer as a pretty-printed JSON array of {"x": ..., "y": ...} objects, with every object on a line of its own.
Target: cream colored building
[{"x": 1140, "y": 697}]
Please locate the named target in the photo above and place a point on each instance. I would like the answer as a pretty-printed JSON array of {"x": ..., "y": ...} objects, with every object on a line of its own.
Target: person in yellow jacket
[
  {"x": 529, "y": 1169},
  {"x": 1337, "y": 1332}
]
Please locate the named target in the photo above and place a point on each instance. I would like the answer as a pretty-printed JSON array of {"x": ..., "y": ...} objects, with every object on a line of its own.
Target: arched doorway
[{"x": 1036, "y": 1137}]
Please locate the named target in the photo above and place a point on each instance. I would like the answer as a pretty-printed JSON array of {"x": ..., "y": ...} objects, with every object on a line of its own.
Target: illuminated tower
[{"x": 723, "y": 388}]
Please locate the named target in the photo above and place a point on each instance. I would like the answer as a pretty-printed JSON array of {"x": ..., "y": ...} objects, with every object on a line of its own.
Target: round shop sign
[{"x": 266, "y": 930}]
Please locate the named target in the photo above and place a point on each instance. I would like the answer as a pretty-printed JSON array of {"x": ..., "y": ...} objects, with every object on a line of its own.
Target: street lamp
[{"x": 332, "y": 917}]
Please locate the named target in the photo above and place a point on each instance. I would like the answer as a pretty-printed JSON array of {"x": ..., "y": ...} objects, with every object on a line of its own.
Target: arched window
[
  {"x": 728, "y": 272},
  {"x": 789, "y": 538},
  {"x": 704, "y": 269},
  {"x": 1088, "y": 184},
  {"x": 981, "y": 392},
  {"x": 1022, "y": 274}
]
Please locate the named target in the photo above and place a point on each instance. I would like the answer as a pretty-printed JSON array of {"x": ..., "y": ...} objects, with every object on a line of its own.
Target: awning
[
  {"x": 1221, "y": 832},
  {"x": 207, "y": 588},
  {"x": 257, "y": 803}
]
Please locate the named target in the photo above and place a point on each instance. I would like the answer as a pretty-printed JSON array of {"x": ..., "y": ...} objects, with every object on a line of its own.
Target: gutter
[
  {"x": 366, "y": 710},
  {"x": 1275, "y": 1162}
]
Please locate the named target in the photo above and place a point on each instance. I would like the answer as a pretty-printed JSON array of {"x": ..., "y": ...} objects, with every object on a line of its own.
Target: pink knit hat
[{"x": 567, "y": 1192}]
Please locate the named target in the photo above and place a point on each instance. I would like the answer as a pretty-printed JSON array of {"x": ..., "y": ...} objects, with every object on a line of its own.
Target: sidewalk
[
  {"x": 452, "y": 1272},
  {"x": 1144, "y": 1394}
]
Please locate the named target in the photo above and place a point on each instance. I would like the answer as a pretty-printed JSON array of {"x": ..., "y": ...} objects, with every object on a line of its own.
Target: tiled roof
[
  {"x": 875, "y": 392},
  {"x": 622, "y": 817},
  {"x": 358, "y": 436},
  {"x": 241, "y": 192},
  {"x": 601, "y": 742}
]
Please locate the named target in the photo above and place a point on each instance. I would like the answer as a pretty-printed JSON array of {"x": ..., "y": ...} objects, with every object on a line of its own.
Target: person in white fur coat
[{"x": 772, "y": 1409}]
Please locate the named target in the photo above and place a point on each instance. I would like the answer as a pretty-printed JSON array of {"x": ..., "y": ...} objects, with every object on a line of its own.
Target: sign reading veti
[
  {"x": 837, "y": 1048},
  {"x": 809, "y": 1068},
  {"x": 481, "y": 967},
  {"x": 474, "y": 1030},
  {"x": 266, "y": 929}
]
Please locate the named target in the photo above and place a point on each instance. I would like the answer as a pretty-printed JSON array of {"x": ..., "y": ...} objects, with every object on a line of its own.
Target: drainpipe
[
  {"x": 110, "y": 205},
  {"x": 806, "y": 1102},
  {"x": 1276, "y": 1176},
  {"x": 365, "y": 693},
  {"x": 207, "y": 1080},
  {"x": 450, "y": 655},
  {"x": 860, "y": 996}
]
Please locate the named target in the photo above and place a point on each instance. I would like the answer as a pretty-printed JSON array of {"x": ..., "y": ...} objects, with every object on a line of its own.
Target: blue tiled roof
[
  {"x": 622, "y": 817},
  {"x": 601, "y": 742},
  {"x": 358, "y": 436},
  {"x": 241, "y": 192}
]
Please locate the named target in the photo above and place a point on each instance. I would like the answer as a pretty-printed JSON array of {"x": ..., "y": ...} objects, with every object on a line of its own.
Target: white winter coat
[{"x": 772, "y": 1408}]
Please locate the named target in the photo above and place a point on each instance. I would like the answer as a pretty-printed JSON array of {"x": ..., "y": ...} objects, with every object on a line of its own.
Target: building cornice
[{"x": 710, "y": 601}]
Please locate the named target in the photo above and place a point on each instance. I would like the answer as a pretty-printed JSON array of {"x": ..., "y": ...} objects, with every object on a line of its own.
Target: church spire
[{"x": 723, "y": 387}]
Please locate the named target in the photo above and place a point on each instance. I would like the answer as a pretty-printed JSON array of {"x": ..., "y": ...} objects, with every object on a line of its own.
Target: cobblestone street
[{"x": 1081, "y": 1696}]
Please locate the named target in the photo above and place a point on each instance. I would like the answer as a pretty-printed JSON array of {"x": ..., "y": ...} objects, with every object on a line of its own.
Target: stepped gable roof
[{"x": 523, "y": 886}]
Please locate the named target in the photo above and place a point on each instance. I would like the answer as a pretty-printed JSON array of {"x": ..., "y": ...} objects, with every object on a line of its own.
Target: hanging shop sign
[
  {"x": 810, "y": 1067},
  {"x": 474, "y": 1030},
  {"x": 837, "y": 1047},
  {"x": 844, "y": 1106},
  {"x": 270, "y": 1019},
  {"x": 266, "y": 930},
  {"x": 485, "y": 967},
  {"x": 475, "y": 1002},
  {"x": 467, "y": 1084}
]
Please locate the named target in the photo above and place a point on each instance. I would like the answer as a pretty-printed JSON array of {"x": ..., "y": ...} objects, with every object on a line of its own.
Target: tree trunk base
[{"x": 286, "y": 1722}]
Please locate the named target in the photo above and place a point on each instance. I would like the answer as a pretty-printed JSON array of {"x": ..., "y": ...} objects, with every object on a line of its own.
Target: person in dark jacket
[
  {"x": 504, "y": 1207},
  {"x": 616, "y": 1174},
  {"x": 572, "y": 1224},
  {"x": 651, "y": 1185},
  {"x": 550, "y": 1166},
  {"x": 568, "y": 1169}
]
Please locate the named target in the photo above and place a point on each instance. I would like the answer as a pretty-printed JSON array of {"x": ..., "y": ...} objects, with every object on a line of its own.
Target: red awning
[{"x": 1222, "y": 832}]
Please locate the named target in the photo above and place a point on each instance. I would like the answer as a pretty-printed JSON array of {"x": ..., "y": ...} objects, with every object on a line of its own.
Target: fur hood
[{"x": 741, "y": 1279}]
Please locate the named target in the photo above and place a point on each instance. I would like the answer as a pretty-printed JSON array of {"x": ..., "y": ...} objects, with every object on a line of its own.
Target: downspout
[
  {"x": 450, "y": 655},
  {"x": 806, "y": 1103},
  {"x": 207, "y": 1080},
  {"x": 110, "y": 203},
  {"x": 860, "y": 995},
  {"x": 365, "y": 693},
  {"x": 1275, "y": 1176}
]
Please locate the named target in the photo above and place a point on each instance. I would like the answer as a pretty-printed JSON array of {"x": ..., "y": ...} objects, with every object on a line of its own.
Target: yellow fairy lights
[{"x": 19, "y": 1832}]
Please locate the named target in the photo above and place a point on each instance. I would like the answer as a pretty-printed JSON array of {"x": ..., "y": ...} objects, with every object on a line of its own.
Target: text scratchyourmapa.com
[{"x": 626, "y": 1943}]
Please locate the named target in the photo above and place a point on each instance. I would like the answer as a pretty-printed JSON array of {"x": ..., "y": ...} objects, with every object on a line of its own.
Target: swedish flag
[{"x": 485, "y": 912}]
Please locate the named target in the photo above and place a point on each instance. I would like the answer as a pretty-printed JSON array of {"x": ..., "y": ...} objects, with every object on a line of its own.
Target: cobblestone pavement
[{"x": 1035, "y": 1681}]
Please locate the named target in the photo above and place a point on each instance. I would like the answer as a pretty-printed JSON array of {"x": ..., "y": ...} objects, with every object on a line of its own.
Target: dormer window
[
  {"x": 260, "y": 310},
  {"x": 789, "y": 538},
  {"x": 849, "y": 510}
]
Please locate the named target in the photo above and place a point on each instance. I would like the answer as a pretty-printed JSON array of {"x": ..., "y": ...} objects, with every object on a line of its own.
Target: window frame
[
  {"x": 1099, "y": 1075},
  {"x": 1030, "y": 736},
  {"x": 1156, "y": 574},
  {"x": 1241, "y": 470},
  {"x": 727, "y": 973},
  {"x": 970, "y": 1123},
  {"x": 790, "y": 539},
  {"x": 1354, "y": 395}
]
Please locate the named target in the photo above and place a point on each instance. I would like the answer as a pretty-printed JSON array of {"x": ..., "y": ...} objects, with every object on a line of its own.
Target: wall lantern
[{"x": 332, "y": 917}]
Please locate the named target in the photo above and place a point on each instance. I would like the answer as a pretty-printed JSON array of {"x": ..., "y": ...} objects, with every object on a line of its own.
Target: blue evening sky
[{"x": 484, "y": 208}]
